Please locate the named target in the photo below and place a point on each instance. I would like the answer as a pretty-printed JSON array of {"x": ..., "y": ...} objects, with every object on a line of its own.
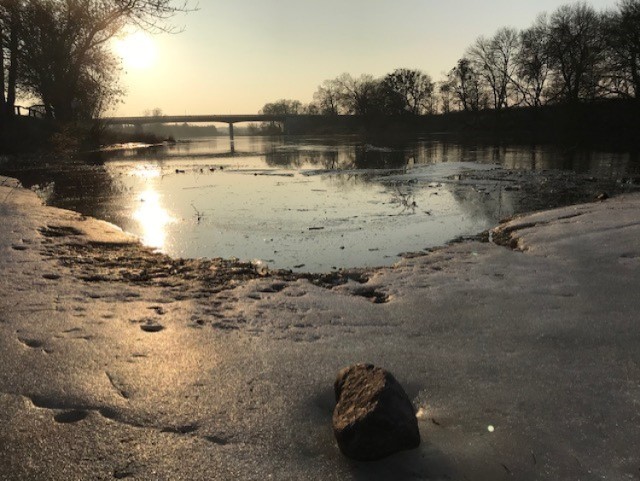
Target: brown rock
[{"x": 373, "y": 417}]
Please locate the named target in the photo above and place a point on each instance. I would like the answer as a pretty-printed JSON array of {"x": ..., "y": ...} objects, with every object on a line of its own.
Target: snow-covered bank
[{"x": 119, "y": 364}]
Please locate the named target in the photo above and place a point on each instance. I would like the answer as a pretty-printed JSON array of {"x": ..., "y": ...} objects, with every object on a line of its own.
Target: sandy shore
[{"x": 118, "y": 363}]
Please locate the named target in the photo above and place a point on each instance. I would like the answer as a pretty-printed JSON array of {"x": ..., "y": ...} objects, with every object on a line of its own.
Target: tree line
[
  {"x": 57, "y": 51},
  {"x": 575, "y": 54}
]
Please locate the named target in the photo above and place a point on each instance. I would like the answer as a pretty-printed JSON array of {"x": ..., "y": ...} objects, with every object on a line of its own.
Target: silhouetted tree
[
  {"x": 64, "y": 59},
  {"x": 282, "y": 107},
  {"x": 10, "y": 11},
  {"x": 155, "y": 112},
  {"x": 55, "y": 64},
  {"x": 445, "y": 93},
  {"x": 533, "y": 63},
  {"x": 494, "y": 59},
  {"x": 409, "y": 91},
  {"x": 328, "y": 98},
  {"x": 360, "y": 95},
  {"x": 622, "y": 33},
  {"x": 310, "y": 109},
  {"x": 3, "y": 98},
  {"x": 466, "y": 84},
  {"x": 576, "y": 51}
]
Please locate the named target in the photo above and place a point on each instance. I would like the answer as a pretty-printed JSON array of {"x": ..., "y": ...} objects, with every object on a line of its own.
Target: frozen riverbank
[{"x": 118, "y": 363}]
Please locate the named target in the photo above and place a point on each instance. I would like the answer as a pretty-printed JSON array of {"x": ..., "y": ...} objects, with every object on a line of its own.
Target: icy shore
[{"x": 520, "y": 355}]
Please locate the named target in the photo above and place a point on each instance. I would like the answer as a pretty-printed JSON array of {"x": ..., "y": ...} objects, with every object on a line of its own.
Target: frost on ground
[{"x": 520, "y": 355}]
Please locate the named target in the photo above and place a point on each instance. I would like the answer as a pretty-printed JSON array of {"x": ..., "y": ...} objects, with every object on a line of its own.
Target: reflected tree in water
[{"x": 404, "y": 198}]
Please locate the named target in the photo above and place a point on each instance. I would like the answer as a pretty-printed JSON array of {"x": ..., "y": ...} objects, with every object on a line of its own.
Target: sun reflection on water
[
  {"x": 146, "y": 172},
  {"x": 153, "y": 219}
]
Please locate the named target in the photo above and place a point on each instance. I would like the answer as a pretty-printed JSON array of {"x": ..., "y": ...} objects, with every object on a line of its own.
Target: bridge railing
[
  {"x": 171, "y": 119},
  {"x": 36, "y": 111}
]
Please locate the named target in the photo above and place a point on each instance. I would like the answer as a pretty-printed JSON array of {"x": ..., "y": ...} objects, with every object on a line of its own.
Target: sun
[{"x": 138, "y": 50}]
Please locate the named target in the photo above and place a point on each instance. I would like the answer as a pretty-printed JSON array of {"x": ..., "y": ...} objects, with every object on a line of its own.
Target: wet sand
[{"x": 119, "y": 363}]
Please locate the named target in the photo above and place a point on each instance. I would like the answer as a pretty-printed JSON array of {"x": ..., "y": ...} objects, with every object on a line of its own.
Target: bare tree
[
  {"x": 328, "y": 98},
  {"x": 413, "y": 90},
  {"x": 310, "y": 109},
  {"x": 154, "y": 112},
  {"x": 445, "y": 94},
  {"x": 466, "y": 84},
  {"x": 64, "y": 56},
  {"x": 3, "y": 98},
  {"x": 358, "y": 95},
  {"x": 10, "y": 11},
  {"x": 282, "y": 107},
  {"x": 494, "y": 59},
  {"x": 533, "y": 63},
  {"x": 622, "y": 33},
  {"x": 576, "y": 51}
]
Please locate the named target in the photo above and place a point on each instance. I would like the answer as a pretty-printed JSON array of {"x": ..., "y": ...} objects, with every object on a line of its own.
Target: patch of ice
[
  {"x": 440, "y": 171},
  {"x": 373, "y": 148}
]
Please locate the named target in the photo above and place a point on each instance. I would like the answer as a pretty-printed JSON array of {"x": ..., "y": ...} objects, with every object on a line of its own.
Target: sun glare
[
  {"x": 137, "y": 50},
  {"x": 153, "y": 219}
]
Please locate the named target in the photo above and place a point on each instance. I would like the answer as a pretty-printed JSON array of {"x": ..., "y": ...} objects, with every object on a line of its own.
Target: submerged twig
[
  {"x": 406, "y": 200},
  {"x": 199, "y": 215}
]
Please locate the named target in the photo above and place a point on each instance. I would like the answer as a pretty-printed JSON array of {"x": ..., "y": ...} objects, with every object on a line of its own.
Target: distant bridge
[
  {"x": 138, "y": 122},
  {"x": 292, "y": 124}
]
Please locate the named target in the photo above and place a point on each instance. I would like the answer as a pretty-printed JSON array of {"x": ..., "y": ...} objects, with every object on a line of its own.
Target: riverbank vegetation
[
  {"x": 573, "y": 55},
  {"x": 57, "y": 52},
  {"x": 572, "y": 71},
  {"x": 566, "y": 60},
  {"x": 57, "y": 55}
]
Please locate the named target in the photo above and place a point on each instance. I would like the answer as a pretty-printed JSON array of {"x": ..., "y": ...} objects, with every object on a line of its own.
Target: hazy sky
[{"x": 235, "y": 55}]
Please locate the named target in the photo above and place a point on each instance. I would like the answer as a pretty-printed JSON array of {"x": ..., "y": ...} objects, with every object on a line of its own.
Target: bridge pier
[
  {"x": 286, "y": 120},
  {"x": 232, "y": 145}
]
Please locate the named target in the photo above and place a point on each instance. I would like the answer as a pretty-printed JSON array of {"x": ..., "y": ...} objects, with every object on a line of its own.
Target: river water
[{"x": 319, "y": 204}]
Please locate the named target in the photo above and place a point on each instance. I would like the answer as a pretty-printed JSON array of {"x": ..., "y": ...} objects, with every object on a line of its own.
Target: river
[{"x": 320, "y": 204}]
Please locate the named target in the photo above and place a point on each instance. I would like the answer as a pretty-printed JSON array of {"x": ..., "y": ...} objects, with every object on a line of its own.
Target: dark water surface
[{"x": 317, "y": 204}]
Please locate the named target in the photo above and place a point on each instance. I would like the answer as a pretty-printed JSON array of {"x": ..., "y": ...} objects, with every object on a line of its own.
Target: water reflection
[
  {"x": 348, "y": 152},
  {"x": 146, "y": 171},
  {"x": 318, "y": 203},
  {"x": 153, "y": 219}
]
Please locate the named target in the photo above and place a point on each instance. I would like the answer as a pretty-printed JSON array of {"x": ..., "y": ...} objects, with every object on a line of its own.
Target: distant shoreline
[{"x": 607, "y": 123}]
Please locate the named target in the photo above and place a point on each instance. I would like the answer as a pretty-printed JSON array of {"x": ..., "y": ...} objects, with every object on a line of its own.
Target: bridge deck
[{"x": 177, "y": 119}]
